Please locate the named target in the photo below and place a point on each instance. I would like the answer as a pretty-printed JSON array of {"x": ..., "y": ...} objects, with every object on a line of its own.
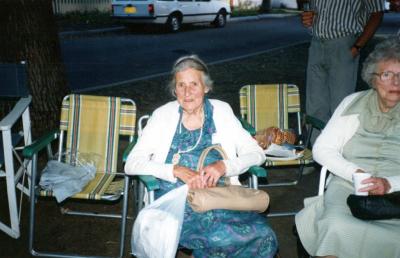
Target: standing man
[{"x": 340, "y": 30}]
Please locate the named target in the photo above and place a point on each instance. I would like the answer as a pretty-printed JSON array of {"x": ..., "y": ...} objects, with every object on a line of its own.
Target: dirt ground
[{"x": 100, "y": 236}]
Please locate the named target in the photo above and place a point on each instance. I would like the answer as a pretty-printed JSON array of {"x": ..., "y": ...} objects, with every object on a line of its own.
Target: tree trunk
[
  {"x": 29, "y": 32},
  {"x": 266, "y": 6}
]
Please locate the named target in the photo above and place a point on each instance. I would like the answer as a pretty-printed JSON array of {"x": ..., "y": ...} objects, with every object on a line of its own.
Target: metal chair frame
[
  {"x": 44, "y": 142},
  {"x": 15, "y": 178},
  {"x": 15, "y": 130}
]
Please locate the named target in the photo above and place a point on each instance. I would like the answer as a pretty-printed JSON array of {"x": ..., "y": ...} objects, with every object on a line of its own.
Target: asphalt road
[
  {"x": 103, "y": 60},
  {"x": 100, "y": 60}
]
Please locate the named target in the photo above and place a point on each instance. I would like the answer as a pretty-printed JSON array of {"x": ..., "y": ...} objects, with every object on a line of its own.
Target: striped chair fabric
[
  {"x": 269, "y": 105},
  {"x": 93, "y": 125}
]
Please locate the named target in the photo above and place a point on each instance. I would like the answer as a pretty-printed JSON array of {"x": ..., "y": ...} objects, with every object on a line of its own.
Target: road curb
[{"x": 262, "y": 16}]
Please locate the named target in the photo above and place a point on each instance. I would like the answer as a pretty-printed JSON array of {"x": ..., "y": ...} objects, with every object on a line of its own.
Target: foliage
[
  {"x": 84, "y": 20},
  {"x": 237, "y": 12}
]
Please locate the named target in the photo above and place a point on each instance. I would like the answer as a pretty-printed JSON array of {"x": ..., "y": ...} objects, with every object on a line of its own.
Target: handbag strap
[{"x": 202, "y": 158}]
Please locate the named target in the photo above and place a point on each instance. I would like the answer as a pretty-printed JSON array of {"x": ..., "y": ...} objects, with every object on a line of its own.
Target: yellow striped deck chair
[
  {"x": 94, "y": 127},
  {"x": 276, "y": 105}
]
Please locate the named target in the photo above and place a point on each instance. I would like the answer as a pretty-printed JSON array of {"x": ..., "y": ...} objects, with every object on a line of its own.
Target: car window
[
  {"x": 185, "y": 0},
  {"x": 202, "y": 0}
]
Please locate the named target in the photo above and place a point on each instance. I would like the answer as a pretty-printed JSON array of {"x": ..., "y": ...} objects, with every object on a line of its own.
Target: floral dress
[{"x": 216, "y": 233}]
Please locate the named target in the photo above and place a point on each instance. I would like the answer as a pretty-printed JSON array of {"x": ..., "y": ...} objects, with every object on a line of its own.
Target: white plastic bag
[{"x": 157, "y": 228}]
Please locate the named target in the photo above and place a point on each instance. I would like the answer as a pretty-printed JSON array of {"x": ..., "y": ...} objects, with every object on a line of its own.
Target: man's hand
[
  {"x": 307, "y": 18},
  {"x": 354, "y": 52}
]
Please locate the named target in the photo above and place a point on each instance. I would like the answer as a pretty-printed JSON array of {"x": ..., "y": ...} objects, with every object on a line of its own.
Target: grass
[{"x": 236, "y": 12}]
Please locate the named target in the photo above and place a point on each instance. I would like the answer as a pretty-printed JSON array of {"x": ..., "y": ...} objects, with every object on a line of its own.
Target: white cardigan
[
  {"x": 149, "y": 154},
  {"x": 328, "y": 147}
]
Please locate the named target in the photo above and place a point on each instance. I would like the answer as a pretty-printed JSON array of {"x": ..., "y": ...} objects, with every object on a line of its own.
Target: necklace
[{"x": 177, "y": 156}]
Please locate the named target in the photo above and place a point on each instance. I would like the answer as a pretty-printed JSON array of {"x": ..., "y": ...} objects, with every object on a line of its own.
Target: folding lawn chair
[
  {"x": 15, "y": 130},
  {"x": 278, "y": 105},
  {"x": 90, "y": 126}
]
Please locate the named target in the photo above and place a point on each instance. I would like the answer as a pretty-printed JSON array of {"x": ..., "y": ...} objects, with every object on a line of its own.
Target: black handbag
[{"x": 375, "y": 207}]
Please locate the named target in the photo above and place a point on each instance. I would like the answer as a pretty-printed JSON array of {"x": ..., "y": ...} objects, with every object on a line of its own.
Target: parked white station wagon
[{"x": 172, "y": 13}]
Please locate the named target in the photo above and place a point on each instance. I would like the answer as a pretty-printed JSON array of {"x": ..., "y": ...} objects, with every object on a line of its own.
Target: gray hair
[
  {"x": 186, "y": 62},
  {"x": 387, "y": 50}
]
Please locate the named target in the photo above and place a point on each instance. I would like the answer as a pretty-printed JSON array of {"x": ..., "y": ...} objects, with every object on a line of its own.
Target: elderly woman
[
  {"x": 363, "y": 135},
  {"x": 169, "y": 149}
]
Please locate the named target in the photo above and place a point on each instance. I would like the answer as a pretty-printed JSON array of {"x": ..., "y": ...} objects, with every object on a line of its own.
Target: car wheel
[
  {"x": 220, "y": 20},
  {"x": 174, "y": 23}
]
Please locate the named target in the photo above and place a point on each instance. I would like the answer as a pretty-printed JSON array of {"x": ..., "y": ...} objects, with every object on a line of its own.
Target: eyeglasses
[{"x": 387, "y": 76}]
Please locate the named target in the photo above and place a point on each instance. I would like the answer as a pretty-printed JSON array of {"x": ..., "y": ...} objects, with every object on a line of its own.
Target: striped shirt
[{"x": 340, "y": 18}]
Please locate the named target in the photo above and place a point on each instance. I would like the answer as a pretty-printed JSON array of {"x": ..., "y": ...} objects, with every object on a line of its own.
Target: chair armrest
[
  {"x": 315, "y": 122},
  {"x": 322, "y": 180},
  {"x": 7, "y": 122},
  {"x": 128, "y": 149},
  {"x": 39, "y": 144},
  {"x": 258, "y": 171},
  {"x": 150, "y": 182},
  {"x": 247, "y": 126},
  {"x": 312, "y": 123}
]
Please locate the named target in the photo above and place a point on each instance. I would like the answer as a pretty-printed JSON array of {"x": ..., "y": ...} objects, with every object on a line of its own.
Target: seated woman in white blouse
[
  {"x": 169, "y": 149},
  {"x": 363, "y": 135}
]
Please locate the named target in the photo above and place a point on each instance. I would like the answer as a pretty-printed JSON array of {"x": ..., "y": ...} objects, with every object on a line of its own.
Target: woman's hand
[
  {"x": 192, "y": 178},
  {"x": 378, "y": 186},
  {"x": 213, "y": 172}
]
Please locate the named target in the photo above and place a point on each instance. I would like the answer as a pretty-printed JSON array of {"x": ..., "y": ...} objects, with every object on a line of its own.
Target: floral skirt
[{"x": 225, "y": 233}]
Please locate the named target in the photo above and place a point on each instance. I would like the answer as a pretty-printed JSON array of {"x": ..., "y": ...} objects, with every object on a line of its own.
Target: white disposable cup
[{"x": 357, "y": 179}]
